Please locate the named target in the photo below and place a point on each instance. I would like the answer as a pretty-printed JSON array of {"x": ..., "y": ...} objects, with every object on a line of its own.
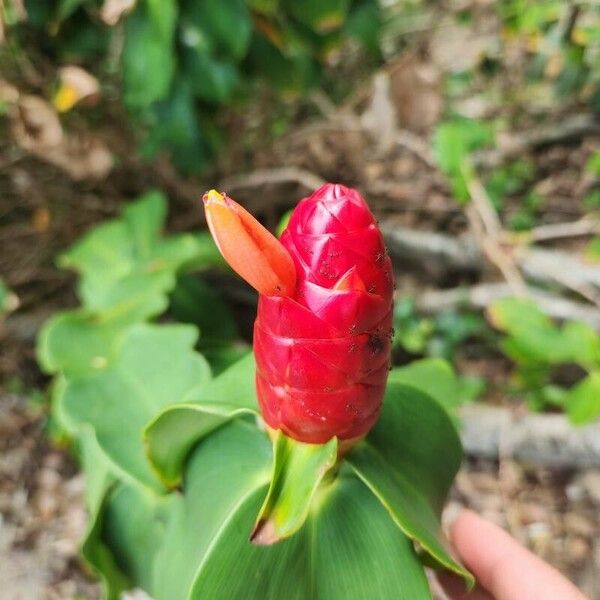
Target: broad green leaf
[
  {"x": 144, "y": 220},
  {"x": 290, "y": 74},
  {"x": 170, "y": 437},
  {"x": 195, "y": 301},
  {"x": 77, "y": 343},
  {"x": 364, "y": 24},
  {"x": 583, "y": 401},
  {"x": 534, "y": 337},
  {"x": 228, "y": 467},
  {"x": 349, "y": 549},
  {"x": 234, "y": 387},
  {"x": 176, "y": 127},
  {"x": 66, "y": 8},
  {"x": 226, "y": 24},
  {"x": 163, "y": 14},
  {"x": 127, "y": 268},
  {"x": 298, "y": 469},
  {"x": 153, "y": 368},
  {"x": 434, "y": 376},
  {"x": 134, "y": 523},
  {"x": 583, "y": 343},
  {"x": 409, "y": 460},
  {"x": 454, "y": 140},
  {"x": 453, "y": 143},
  {"x": 99, "y": 481},
  {"x": 355, "y": 553},
  {"x": 517, "y": 314},
  {"x": 211, "y": 78},
  {"x": 148, "y": 59},
  {"x": 319, "y": 15},
  {"x": 177, "y": 429}
]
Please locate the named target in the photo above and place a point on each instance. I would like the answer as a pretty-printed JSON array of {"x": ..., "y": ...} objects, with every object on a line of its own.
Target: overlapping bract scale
[{"x": 323, "y": 354}]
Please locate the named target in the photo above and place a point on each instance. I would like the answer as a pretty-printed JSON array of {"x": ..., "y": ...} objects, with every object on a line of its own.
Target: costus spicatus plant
[{"x": 306, "y": 469}]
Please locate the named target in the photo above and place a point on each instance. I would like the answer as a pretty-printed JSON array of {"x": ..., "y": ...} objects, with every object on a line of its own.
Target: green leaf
[
  {"x": 434, "y": 376},
  {"x": 336, "y": 555},
  {"x": 66, "y": 8},
  {"x": 153, "y": 367},
  {"x": 593, "y": 248},
  {"x": 364, "y": 24},
  {"x": 175, "y": 126},
  {"x": 173, "y": 434},
  {"x": 226, "y": 24},
  {"x": 320, "y": 15},
  {"x": 265, "y": 7},
  {"x": 195, "y": 301},
  {"x": 409, "y": 460},
  {"x": 583, "y": 401},
  {"x": 76, "y": 343},
  {"x": 176, "y": 430},
  {"x": 298, "y": 469},
  {"x": 148, "y": 59},
  {"x": 290, "y": 74},
  {"x": 134, "y": 523},
  {"x": 454, "y": 140},
  {"x": 100, "y": 480},
  {"x": 453, "y": 143},
  {"x": 211, "y": 78},
  {"x": 126, "y": 267},
  {"x": 535, "y": 338}
]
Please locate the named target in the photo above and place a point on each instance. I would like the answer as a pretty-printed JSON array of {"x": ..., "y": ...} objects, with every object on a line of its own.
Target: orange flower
[{"x": 252, "y": 251}]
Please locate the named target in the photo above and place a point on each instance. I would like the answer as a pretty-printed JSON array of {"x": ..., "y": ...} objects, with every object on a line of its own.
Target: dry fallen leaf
[
  {"x": 113, "y": 10},
  {"x": 416, "y": 92},
  {"x": 75, "y": 85},
  {"x": 36, "y": 128},
  {"x": 35, "y": 124},
  {"x": 9, "y": 94},
  {"x": 379, "y": 118}
]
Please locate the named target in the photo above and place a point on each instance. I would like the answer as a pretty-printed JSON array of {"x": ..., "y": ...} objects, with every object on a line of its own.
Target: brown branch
[
  {"x": 543, "y": 439},
  {"x": 480, "y": 296},
  {"x": 554, "y": 231},
  {"x": 488, "y": 230},
  {"x": 263, "y": 177}
]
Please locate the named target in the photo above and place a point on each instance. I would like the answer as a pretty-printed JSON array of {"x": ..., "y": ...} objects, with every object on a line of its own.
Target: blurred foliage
[
  {"x": 453, "y": 144},
  {"x": 180, "y": 61},
  {"x": 441, "y": 337},
  {"x": 539, "y": 348}
]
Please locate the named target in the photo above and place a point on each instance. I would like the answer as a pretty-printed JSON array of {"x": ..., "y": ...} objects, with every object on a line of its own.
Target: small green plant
[
  {"x": 454, "y": 142},
  {"x": 177, "y": 469},
  {"x": 539, "y": 348}
]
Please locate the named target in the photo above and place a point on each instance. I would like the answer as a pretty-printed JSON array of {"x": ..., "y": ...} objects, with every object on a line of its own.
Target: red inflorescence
[{"x": 323, "y": 352}]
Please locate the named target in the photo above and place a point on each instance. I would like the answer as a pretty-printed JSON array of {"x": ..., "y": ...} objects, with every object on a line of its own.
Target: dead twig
[
  {"x": 437, "y": 254},
  {"x": 544, "y": 233},
  {"x": 488, "y": 230},
  {"x": 480, "y": 296},
  {"x": 544, "y": 439},
  {"x": 569, "y": 129},
  {"x": 263, "y": 177}
]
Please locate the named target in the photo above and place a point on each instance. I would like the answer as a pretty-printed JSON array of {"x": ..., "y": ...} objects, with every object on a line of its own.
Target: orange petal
[
  {"x": 251, "y": 250},
  {"x": 350, "y": 280}
]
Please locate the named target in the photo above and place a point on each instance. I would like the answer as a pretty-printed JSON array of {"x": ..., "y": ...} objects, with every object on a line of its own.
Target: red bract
[{"x": 323, "y": 350}]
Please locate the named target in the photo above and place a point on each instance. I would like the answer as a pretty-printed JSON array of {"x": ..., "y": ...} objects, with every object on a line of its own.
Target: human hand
[{"x": 504, "y": 569}]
